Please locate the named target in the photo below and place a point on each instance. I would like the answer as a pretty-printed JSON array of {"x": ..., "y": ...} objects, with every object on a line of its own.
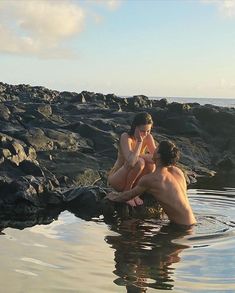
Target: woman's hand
[{"x": 138, "y": 136}]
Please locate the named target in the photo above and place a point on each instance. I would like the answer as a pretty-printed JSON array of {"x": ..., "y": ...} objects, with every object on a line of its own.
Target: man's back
[{"x": 168, "y": 186}]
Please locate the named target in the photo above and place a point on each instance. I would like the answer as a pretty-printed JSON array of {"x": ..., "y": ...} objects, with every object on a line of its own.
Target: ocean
[{"x": 222, "y": 102}]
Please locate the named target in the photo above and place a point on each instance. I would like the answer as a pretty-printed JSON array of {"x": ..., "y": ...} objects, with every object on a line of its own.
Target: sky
[{"x": 158, "y": 48}]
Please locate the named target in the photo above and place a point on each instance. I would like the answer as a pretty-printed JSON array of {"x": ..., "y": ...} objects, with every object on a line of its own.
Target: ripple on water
[
  {"x": 214, "y": 212},
  {"x": 39, "y": 262},
  {"x": 28, "y": 273}
]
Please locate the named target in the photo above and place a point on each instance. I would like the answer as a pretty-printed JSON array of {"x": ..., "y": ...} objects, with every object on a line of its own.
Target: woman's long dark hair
[{"x": 142, "y": 118}]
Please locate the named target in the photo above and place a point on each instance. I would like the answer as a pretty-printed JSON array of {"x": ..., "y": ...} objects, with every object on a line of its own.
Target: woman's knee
[
  {"x": 140, "y": 164},
  {"x": 150, "y": 167},
  {"x": 116, "y": 182}
]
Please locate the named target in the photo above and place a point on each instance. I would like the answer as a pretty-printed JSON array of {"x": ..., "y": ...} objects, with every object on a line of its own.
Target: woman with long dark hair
[{"x": 134, "y": 156}]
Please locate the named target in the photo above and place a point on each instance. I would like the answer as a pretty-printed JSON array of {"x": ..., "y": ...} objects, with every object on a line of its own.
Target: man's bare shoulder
[
  {"x": 175, "y": 171},
  {"x": 147, "y": 179}
]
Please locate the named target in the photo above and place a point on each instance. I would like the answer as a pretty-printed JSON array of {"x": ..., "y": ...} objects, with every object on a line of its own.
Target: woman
[{"x": 134, "y": 156}]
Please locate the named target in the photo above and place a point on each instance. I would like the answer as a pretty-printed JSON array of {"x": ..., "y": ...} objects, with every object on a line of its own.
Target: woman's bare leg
[
  {"x": 148, "y": 168},
  {"x": 118, "y": 179},
  {"x": 131, "y": 178},
  {"x": 125, "y": 177}
]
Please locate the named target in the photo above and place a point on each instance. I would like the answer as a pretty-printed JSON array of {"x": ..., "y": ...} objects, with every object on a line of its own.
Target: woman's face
[{"x": 144, "y": 129}]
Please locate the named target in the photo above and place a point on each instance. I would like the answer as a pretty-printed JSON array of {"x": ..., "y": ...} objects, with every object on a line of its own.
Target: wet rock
[
  {"x": 89, "y": 202},
  {"x": 24, "y": 216}
]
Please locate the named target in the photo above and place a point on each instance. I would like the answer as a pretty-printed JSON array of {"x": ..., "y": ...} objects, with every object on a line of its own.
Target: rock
[
  {"x": 177, "y": 125},
  {"x": 53, "y": 141},
  {"x": 72, "y": 97},
  {"x": 4, "y": 112},
  {"x": 37, "y": 138},
  {"x": 33, "y": 168},
  {"x": 179, "y": 108},
  {"x": 84, "y": 202},
  {"x": 138, "y": 102},
  {"x": 45, "y": 110},
  {"x": 226, "y": 164},
  {"x": 103, "y": 141}
]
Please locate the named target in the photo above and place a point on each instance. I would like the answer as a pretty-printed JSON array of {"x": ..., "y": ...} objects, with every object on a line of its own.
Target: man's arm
[{"x": 127, "y": 195}]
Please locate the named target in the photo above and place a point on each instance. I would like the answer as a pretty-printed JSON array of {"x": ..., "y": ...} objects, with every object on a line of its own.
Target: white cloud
[
  {"x": 43, "y": 28},
  {"x": 226, "y": 7},
  {"x": 110, "y": 4},
  {"x": 113, "y": 4},
  {"x": 39, "y": 27}
]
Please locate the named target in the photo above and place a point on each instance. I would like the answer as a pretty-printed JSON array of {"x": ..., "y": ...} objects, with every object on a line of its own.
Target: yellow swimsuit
[{"x": 121, "y": 160}]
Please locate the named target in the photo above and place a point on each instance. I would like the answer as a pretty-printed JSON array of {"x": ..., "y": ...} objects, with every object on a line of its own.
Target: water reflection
[
  {"x": 145, "y": 254},
  {"x": 17, "y": 221},
  {"x": 70, "y": 255}
]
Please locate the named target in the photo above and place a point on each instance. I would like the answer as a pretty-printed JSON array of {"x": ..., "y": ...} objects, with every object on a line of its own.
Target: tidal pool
[{"x": 73, "y": 255}]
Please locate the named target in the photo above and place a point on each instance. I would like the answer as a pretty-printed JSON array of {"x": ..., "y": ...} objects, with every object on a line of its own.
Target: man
[{"x": 167, "y": 184}]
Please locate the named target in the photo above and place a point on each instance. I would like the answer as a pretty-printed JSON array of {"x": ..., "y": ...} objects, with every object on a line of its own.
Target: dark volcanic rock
[{"x": 54, "y": 145}]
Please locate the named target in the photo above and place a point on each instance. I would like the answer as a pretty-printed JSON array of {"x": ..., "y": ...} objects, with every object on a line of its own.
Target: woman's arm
[
  {"x": 150, "y": 144},
  {"x": 131, "y": 156}
]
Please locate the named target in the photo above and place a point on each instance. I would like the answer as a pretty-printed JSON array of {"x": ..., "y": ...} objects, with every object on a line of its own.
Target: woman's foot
[
  {"x": 137, "y": 201},
  {"x": 131, "y": 202}
]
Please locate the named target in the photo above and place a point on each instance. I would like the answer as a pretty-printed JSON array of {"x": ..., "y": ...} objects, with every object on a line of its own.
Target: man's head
[{"x": 166, "y": 153}]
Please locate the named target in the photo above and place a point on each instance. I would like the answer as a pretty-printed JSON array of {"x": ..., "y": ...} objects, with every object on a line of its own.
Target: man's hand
[{"x": 113, "y": 196}]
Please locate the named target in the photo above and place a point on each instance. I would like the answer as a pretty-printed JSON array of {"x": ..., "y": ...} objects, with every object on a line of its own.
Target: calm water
[
  {"x": 73, "y": 255},
  {"x": 222, "y": 102}
]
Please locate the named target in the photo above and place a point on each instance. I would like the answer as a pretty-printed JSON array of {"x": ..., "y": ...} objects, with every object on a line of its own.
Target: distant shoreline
[{"x": 221, "y": 102}]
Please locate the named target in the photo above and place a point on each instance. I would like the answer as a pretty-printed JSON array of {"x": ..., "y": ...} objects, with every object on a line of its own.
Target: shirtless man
[{"x": 167, "y": 184}]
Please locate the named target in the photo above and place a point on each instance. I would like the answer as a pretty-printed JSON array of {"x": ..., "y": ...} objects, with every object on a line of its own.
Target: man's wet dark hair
[
  {"x": 142, "y": 118},
  {"x": 169, "y": 153}
]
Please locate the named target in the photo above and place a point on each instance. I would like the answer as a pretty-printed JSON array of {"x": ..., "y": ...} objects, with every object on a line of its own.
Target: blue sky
[{"x": 157, "y": 48}]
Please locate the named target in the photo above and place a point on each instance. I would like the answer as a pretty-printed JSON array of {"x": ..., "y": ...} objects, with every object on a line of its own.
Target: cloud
[
  {"x": 43, "y": 28},
  {"x": 226, "y": 7},
  {"x": 112, "y": 4},
  {"x": 39, "y": 27}
]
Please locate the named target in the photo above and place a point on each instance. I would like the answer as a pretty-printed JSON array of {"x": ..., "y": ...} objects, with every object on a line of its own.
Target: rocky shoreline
[{"x": 56, "y": 147}]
